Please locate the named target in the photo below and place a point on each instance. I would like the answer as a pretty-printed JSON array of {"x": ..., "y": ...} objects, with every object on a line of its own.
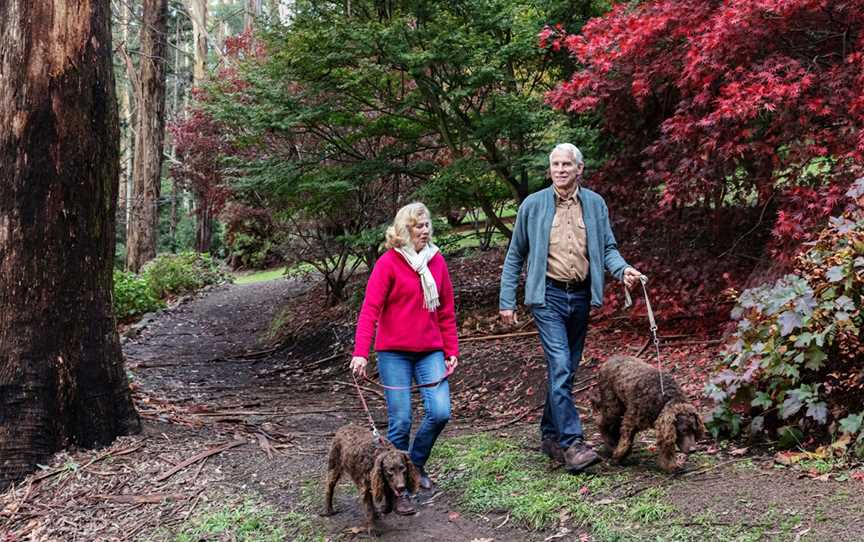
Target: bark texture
[
  {"x": 149, "y": 138},
  {"x": 62, "y": 379}
]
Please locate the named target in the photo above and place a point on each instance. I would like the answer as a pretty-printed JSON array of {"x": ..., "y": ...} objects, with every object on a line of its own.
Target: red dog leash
[
  {"x": 413, "y": 387},
  {"x": 375, "y": 434}
]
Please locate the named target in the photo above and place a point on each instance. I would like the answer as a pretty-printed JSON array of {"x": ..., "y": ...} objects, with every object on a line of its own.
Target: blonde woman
[{"x": 409, "y": 310}]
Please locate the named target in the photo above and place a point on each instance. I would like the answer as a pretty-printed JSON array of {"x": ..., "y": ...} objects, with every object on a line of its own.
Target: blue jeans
[
  {"x": 563, "y": 324},
  {"x": 398, "y": 369}
]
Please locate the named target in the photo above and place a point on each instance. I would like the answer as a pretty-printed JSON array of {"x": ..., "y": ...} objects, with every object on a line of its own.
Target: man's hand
[
  {"x": 452, "y": 362},
  {"x": 631, "y": 277},
  {"x": 358, "y": 365},
  {"x": 508, "y": 316}
]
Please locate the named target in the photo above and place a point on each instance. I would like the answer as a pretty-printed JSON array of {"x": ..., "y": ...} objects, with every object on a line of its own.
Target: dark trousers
[{"x": 563, "y": 324}]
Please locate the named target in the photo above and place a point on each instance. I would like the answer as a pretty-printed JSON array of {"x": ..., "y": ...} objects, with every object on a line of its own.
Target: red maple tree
[
  {"x": 199, "y": 143},
  {"x": 717, "y": 102}
]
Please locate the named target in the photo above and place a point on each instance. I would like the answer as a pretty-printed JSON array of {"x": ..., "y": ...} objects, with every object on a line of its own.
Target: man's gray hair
[{"x": 569, "y": 147}]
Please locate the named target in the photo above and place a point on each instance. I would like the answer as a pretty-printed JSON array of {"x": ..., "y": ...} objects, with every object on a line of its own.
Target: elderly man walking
[{"x": 563, "y": 235}]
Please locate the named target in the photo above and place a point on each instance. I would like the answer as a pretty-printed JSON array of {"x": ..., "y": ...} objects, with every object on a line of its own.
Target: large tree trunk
[
  {"x": 62, "y": 379},
  {"x": 149, "y": 138}
]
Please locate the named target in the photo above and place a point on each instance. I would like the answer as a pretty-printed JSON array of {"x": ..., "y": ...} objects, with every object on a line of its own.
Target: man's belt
[{"x": 570, "y": 286}]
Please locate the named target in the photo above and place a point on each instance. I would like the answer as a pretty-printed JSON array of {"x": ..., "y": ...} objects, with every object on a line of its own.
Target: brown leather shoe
[
  {"x": 552, "y": 449},
  {"x": 404, "y": 506},
  {"x": 579, "y": 456}
]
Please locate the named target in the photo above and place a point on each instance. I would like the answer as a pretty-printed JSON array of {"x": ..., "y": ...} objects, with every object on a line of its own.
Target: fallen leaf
[
  {"x": 737, "y": 452},
  {"x": 788, "y": 458},
  {"x": 454, "y": 516},
  {"x": 858, "y": 475}
]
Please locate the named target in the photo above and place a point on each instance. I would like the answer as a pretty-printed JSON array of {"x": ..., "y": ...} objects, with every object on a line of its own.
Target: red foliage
[
  {"x": 712, "y": 99},
  {"x": 199, "y": 144}
]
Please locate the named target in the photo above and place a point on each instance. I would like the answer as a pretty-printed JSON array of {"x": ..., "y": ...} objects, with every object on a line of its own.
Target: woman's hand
[
  {"x": 452, "y": 362},
  {"x": 358, "y": 365}
]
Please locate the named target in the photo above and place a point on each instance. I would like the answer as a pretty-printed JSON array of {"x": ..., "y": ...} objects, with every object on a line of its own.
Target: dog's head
[
  {"x": 688, "y": 429},
  {"x": 679, "y": 424},
  {"x": 393, "y": 470}
]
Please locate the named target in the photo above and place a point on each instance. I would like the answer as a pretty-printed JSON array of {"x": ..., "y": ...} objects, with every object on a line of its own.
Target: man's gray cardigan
[{"x": 530, "y": 245}]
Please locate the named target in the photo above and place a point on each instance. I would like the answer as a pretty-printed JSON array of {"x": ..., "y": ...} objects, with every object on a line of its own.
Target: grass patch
[
  {"x": 260, "y": 276},
  {"x": 247, "y": 521},
  {"x": 488, "y": 474}
]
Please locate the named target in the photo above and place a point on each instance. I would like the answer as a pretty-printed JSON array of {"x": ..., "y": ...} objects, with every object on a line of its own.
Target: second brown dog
[{"x": 627, "y": 400}]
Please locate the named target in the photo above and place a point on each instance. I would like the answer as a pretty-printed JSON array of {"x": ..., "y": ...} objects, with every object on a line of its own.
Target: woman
[{"x": 409, "y": 297}]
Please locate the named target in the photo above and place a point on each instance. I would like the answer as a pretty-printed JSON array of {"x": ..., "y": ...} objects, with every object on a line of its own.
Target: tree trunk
[
  {"x": 125, "y": 132},
  {"x": 149, "y": 138},
  {"x": 198, "y": 10},
  {"x": 62, "y": 379},
  {"x": 204, "y": 230},
  {"x": 253, "y": 10}
]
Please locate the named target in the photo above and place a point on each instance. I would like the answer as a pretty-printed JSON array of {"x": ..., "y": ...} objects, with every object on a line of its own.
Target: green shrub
[
  {"x": 133, "y": 296},
  {"x": 172, "y": 274},
  {"x": 795, "y": 369}
]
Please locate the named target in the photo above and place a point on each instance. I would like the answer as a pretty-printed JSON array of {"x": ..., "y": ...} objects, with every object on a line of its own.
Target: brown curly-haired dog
[
  {"x": 380, "y": 471},
  {"x": 627, "y": 400}
]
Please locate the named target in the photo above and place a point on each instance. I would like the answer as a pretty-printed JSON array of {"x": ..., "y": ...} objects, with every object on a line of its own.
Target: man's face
[{"x": 564, "y": 170}]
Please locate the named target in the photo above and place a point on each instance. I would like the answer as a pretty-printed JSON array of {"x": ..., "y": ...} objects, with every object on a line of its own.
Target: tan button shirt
[{"x": 568, "y": 242}]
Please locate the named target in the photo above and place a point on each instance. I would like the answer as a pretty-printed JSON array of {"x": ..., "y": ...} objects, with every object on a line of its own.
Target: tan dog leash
[{"x": 628, "y": 302}]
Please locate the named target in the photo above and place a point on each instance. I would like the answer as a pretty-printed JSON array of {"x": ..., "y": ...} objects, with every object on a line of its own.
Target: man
[{"x": 563, "y": 235}]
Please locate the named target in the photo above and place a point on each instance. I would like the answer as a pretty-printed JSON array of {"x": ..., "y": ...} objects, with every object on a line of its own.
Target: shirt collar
[{"x": 574, "y": 196}]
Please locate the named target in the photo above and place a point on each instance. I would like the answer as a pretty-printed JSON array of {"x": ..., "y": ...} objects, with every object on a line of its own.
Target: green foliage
[
  {"x": 249, "y": 251},
  {"x": 133, "y": 296},
  {"x": 339, "y": 119},
  {"x": 172, "y": 274},
  {"x": 794, "y": 369}
]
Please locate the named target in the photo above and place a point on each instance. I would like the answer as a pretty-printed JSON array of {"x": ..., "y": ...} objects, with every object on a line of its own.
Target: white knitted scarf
[{"x": 419, "y": 262}]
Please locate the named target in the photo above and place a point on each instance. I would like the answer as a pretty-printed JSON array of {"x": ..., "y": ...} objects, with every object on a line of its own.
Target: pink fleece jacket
[{"x": 394, "y": 301}]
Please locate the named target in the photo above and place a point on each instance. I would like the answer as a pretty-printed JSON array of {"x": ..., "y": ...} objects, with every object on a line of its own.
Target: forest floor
[{"x": 241, "y": 388}]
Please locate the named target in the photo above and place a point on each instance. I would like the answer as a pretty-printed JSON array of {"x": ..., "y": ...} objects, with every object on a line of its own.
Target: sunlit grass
[{"x": 260, "y": 276}]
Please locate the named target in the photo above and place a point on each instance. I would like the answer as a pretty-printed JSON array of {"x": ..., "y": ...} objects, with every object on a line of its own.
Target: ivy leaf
[
  {"x": 790, "y": 406},
  {"x": 815, "y": 357},
  {"x": 789, "y": 320},
  {"x": 762, "y": 400},
  {"x": 844, "y": 303},
  {"x": 804, "y": 339},
  {"x": 818, "y": 411},
  {"x": 835, "y": 274},
  {"x": 852, "y": 423}
]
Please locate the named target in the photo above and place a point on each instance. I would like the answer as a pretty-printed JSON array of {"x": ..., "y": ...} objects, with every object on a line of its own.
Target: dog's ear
[
  {"x": 701, "y": 431},
  {"x": 667, "y": 437},
  {"x": 377, "y": 479},
  {"x": 412, "y": 475}
]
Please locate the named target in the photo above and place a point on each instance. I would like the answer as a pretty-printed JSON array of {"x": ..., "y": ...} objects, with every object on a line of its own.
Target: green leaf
[
  {"x": 762, "y": 400},
  {"x": 852, "y": 423}
]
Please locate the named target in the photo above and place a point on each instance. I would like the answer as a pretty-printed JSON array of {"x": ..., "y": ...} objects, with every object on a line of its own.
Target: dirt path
[{"x": 197, "y": 357}]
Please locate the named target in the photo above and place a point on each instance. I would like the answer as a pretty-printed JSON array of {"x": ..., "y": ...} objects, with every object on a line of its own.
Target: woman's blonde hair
[{"x": 398, "y": 234}]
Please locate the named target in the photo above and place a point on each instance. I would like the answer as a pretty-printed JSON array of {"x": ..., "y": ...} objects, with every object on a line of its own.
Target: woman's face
[{"x": 420, "y": 233}]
